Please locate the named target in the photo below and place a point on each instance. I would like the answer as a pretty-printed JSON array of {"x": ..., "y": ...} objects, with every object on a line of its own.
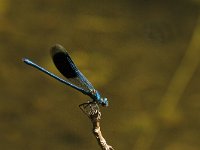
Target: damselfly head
[{"x": 104, "y": 102}]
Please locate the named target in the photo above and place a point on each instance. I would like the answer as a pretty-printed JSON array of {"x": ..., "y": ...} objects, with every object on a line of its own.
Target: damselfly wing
[{"x": 67, "y": 68}]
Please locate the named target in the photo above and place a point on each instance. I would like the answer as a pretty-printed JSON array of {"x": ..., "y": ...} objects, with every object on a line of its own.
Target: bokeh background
[{"x": 142, "y": 55}]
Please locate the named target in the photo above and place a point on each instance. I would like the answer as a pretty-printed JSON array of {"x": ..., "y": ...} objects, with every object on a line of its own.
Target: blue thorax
[{"x": 95, "y": 95}]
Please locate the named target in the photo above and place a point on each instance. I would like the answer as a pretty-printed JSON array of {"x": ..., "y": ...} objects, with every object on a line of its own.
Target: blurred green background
[{"x": 142, "y": 55}]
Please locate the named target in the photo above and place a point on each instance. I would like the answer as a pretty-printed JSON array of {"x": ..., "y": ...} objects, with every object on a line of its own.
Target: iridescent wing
[{"x": 67, "y": 68}]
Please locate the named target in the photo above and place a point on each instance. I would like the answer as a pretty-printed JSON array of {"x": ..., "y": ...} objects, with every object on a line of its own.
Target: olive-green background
[{"x": 143, "y": 55}]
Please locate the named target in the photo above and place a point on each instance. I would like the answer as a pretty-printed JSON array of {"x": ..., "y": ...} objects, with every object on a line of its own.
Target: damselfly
[{"x": 75, "y": 78}]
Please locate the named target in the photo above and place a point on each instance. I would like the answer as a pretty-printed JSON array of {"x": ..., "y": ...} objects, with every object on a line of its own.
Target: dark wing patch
[
  {"x": 67, "y": 68},
  {"x": 63, "y": 62}
]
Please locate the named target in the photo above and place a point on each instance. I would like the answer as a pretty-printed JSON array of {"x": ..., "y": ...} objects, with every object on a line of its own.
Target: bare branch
[{"x": 93, "y": 112}]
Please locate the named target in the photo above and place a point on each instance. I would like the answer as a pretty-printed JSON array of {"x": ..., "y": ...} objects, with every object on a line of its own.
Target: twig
[{"x": 93, "y": 112}]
